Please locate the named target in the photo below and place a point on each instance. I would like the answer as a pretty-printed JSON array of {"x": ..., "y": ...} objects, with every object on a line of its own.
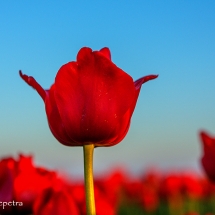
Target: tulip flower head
[
  {"x": 91, "y": 100},
  {"x": 208, "y": 158}
]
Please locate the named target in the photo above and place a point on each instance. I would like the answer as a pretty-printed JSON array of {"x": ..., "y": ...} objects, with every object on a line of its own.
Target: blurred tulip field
[{"x": 45, "y": 192}]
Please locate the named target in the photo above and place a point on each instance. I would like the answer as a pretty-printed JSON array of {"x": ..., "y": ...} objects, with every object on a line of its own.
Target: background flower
[{"x": 208, "y": 158}]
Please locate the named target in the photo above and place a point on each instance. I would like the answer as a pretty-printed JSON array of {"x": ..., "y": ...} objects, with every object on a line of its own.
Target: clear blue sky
[{"x": 175, "y": 39}]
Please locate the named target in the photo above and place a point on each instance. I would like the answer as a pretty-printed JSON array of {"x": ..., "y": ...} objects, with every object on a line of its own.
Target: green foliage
[{"x": 188, "y": 207}]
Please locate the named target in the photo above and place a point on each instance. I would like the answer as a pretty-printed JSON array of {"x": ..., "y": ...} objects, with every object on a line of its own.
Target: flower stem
[{"x": 88, "y": 178}]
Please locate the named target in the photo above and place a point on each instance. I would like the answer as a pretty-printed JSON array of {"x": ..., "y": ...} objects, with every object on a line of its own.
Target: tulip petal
[
  {"x": 122, "y": 128},
  {"x": 106, "y": 52},
  {"x": 53, "y": 116},
  {"x": 54, "y": 120},
  {"x": 138, "y": 83},
  {"x": 92, "y": 95},
  {"x": 125, "y": 122},
  {"x": 33, "y": 83}
]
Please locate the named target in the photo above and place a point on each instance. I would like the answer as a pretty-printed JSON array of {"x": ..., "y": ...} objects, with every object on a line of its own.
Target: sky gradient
[{"x": 174, "y": 39}]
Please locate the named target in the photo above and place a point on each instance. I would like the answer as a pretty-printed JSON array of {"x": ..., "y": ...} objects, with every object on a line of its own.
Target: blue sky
[{"x": 174, "y": 39}]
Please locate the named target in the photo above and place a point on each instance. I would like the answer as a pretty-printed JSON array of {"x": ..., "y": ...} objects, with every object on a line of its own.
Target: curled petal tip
[
  {"x": 26, "y": 78},
  {"x": 106, "y": 52},
  {"x": 21, "y": 74},
  {"x": 33, "y": 83},
  {"x": 151, "y": 77},
  {"x": 138, "y": 83}
]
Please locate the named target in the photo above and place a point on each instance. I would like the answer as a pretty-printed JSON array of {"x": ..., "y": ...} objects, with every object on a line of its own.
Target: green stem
[{"x": 88, "y": 178}]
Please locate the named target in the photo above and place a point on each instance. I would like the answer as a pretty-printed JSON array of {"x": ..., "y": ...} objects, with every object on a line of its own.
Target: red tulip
[
  {"x": 91, "y": 101},
  {"x": 208, "y": 158}
]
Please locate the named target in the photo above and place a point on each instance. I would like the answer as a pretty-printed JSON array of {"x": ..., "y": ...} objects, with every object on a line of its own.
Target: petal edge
[{"x": 33, "y": 83}]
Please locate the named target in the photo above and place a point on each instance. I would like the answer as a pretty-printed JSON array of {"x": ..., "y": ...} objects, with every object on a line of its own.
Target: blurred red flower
[
  {"x": 21, "y": 182},
  {"x": 208, "y": 158},
  {"x": 103, "y": 207},
  {"x": 78, "y": 193},
  {"x": 103, "y": 204},
  {"x": 192, "y": 186},
  {"x": 150, "y": 199},
  {"x": 30, "y": 181},
  {"x": 171, "y": 191},
  {"x": 134, "y": 190},
  {"x": 7, "y": 176},
  {"x": 55, "y": 200},
  {"x": 171, "y": 186},
  {"x": 92, "y": 100},
  {"x": 111, "y": 185}
]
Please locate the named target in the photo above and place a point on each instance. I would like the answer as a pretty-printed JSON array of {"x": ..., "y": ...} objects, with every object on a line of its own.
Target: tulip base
[{"x": 88, "y": 179}]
